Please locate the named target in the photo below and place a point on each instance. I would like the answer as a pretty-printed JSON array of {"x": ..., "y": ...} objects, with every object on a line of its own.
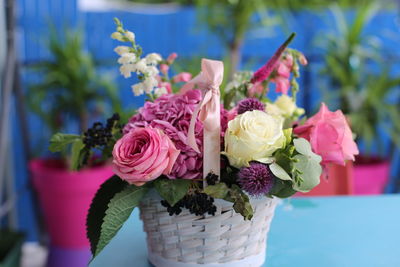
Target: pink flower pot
[
  {"x": 371, "y": 175},
  {"x": 65, "y": 198}
]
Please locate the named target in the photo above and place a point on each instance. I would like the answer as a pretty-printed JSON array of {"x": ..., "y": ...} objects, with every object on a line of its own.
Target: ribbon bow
[{"x": 208, "y": 111}]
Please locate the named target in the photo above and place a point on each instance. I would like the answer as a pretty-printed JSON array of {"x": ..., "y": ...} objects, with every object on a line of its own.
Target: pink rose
[
  {"x": 182, "y": 77},
  {"x": 330, "y": 136},
  {"x": 143, "y": 155}
]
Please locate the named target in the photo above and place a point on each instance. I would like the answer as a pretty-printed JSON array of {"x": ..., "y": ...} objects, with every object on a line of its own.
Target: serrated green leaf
[
  {"x": 98, "y": 208},
  {"x": 310, "y": 173},
  {"x": 282, "y": 189},
  {"x": 172, "y": 190},
  {"x": 219, "y": 190},
  {"x": 77, "y": 147},
  {"x": 60, "y": 141},
  {"x": 119, "y": 210},
  {"x": 304, "y": 148}
]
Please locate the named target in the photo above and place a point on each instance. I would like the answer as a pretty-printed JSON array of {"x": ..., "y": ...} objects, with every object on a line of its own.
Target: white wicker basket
[{"x": 225, "y": 239}]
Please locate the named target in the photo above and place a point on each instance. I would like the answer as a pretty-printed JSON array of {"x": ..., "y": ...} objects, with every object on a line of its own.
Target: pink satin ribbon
[{"x": 208, "y": 111}]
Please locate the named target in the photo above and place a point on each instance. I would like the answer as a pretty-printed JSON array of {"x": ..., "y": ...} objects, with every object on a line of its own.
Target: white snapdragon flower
[
  {"x": 137, "y": 89},
  {"x": 149, "y": 84},
  {"x": 141, "y": 66},
  {"x": 126, "y": 70},
  {"x": 121, "y": 49},
  {"x": 117, "y": 36},
  {"x": 130, "y": 36},
  {"x": 159, "y": 91},
  {"x": 152, "y": 71},
  {"x": 153, "y": 58},
  {"x": 127, "y": 58}
]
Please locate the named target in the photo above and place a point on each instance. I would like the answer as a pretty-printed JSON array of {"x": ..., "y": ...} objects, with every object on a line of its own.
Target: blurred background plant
[
  {"x": 359, "y": 78},
  {"x": 70, "y": 88}
]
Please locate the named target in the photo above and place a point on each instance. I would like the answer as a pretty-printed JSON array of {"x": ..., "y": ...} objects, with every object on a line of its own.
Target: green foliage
[
  {"x": 307, "y": 168},
  {"x": 77, "y": 155},
  {"x": 119, "y": 209},
  {"x": 241, "y": 202},
  {"x": 172, "y": 190},
  {"x": 60, "y": 141},
  {"x": 282, "y": 189},
  {"x": 70, "y": 88},
  {"x": 360, "y": 76},
  {"x": 279, "y": 172},
  {"x": 98, "y": 208}
]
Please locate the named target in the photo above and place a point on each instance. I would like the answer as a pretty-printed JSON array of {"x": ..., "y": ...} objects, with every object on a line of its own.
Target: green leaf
[
  {"x": 119, "y": 210},
  {"x": 219, "y": 190},
  {"x": 98, "y": 208},
  {"x": 241, "y": 202},
  {"x": 172, "y": 190},
  {"x": 279, "y": 172},
  {"x": 76, "y": 159},
  {"x": 282, "y": 189},
  {"x": 304, "y": 148},
  {"x": 60, "y": 141},
  {"x": 288, "y": 135},
  {"x": 310, "y": 173}
]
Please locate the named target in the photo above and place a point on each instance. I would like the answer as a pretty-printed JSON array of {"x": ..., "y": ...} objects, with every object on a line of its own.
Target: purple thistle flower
[
  {"x": 257, "y": 179},
  {"x": 250, "y": 104},
  {"x": 262, "y": 73}
]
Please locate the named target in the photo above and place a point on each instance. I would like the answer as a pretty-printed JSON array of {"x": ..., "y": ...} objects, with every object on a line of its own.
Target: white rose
[
  {"x": 253, "y": 136},
  {"x": 121, "y": 49},
  {"x": 130, "y": 36},
  {"x": 127, "y": 58},
  {"x": 153, "y": 58}
]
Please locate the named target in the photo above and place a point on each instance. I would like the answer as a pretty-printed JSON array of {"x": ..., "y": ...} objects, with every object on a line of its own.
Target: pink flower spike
[
  {"x": 182, "y": 77},
  {"x": 171, "y": 58},
  {"x": 303, "y": 60},
  {"x": 164, "y": 69},
  {"x": 263, "y": 73}
]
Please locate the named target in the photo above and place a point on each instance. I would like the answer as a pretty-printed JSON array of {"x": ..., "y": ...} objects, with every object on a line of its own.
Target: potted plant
[
  {"x": 360, "y": 83},
  {"x": 70, "y": 90},
  {"x": 168, "y": 159}
]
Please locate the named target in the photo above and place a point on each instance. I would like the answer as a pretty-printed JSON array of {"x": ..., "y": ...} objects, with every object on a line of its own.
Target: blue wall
[{"x": 178, "y": 31}]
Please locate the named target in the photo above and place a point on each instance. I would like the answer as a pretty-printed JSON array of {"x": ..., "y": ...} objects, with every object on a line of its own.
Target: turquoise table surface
[{"x": 321, "y": 232}]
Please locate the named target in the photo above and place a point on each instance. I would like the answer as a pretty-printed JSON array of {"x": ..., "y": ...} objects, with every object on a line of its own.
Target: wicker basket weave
[{"x": 225, "y": 239}]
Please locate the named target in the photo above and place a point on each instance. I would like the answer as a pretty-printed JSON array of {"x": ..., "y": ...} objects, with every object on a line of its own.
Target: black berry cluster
[
  {"x": 100, "y": 135},
  {"x": 211, "y": 178},
  {"x": 198, "y": 204}
]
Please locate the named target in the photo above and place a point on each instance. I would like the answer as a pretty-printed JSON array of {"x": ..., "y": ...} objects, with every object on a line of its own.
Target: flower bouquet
[{"x": 206, "y": 176}]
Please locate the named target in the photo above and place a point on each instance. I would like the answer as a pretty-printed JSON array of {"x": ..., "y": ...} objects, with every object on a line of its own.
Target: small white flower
[
  {"x": 153, "y": 58},
  {"x": 127, "y": 58},
  {"x": 126, "y": 70},
  {"x": 152, "y": 71},
  {"x": 117, "y": 36},
  {"x": 149, "y": 84},
  {"x": 141, "y": 66},
  {"x": 159, "y": 91},
  {"x": 130, "y": 36},
  {"x": 137, "y": 89},
  {"x": 120, "y": 50}
]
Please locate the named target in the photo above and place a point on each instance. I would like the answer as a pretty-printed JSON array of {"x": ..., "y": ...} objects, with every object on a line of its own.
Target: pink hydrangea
[{"x": 172, "y": 113}]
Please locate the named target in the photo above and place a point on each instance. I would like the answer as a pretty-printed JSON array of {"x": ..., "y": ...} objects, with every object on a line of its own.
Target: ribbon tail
[{"x": 191, "y": 134}]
